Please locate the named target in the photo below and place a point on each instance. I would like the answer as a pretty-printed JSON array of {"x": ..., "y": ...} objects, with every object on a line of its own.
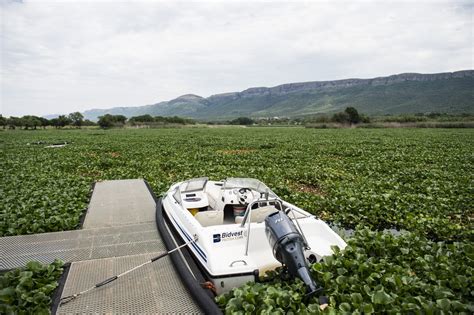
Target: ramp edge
[{"x": 206, "y": 303}]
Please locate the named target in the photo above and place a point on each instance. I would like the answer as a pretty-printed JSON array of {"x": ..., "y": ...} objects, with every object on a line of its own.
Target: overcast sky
[{"x": 64, "y": 56}]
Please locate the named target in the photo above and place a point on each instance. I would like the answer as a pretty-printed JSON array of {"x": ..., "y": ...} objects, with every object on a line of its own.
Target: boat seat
[
  {"x": 208, "y": 218},
  {"x": 259, "y": 214},
  {"x": 212, "y": 201},
  {"x": 212, "y": 196}
]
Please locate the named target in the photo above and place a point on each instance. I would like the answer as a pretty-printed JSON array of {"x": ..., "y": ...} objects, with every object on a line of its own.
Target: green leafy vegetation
[
  {"x": 28, "y": 290},
  {"x": 418, "y": 180},
  {"x": 376, "y": 273}
]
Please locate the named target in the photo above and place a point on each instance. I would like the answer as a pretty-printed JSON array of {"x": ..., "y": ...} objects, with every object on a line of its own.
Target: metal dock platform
[{"x": 119, "y": 232}]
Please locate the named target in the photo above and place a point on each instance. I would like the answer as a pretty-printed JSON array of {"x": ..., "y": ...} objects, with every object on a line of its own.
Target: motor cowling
[{"x": 288, "y": 247}]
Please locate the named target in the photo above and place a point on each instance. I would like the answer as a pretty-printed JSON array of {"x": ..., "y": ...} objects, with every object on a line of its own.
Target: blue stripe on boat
[{"x": 194, "y": 245}]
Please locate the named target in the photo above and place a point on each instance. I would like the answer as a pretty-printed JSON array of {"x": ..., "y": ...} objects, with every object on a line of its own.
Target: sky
[{"x": 63, "y": 56}]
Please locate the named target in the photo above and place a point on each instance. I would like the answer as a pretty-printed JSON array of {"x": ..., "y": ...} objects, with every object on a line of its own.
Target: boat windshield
[
  {"x": 251, "y": 183},
  {"x": 194, "y": 184}
]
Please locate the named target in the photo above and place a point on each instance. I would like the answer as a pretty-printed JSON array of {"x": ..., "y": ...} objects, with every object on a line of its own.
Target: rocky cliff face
[{"x": 322, "y": 85}]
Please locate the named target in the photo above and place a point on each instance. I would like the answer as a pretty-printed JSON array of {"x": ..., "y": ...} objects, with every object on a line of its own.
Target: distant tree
[
  {"x": 354, "y": 117},
  {"x": 3, "y": 121},
  {"x": 25, "y": 122},
  {"x": 242, "y": 121},
  {"x": 120, "y": 119},
  {"x": 77, "y": 119},
  {"x": 54, "y": 122},
  {"x": 175, "y": 120},
  {"x": 105, "y": 121},
  {"x": 60, "y": 121},
  {"x": 108, "y": 121},
  {"x": 36, "y": 121},
  {"x": 44, "y": 122},
  {"x": 161, "y": 120},
  {"x": 30, "y": 121},
  {"x": 348, "y": 116},
  {"x": 141, "y": 119},
  {"x": 63, "y": 121},
  {"x": 14, "y": 122},
  {"x": 364, "y": 118},
  {"x": 88, "y": 122},
  {"x": 341, "y": 117}
]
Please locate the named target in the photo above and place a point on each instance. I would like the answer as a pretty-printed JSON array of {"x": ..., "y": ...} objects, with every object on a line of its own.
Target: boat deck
[{"x": 119, "y": 232}]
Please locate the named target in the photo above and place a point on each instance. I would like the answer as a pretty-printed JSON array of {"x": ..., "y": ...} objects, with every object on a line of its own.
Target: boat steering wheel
[{"x": 246, "y": 196}]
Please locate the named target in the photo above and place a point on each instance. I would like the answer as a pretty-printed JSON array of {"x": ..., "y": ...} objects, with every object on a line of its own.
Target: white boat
[{"x": 242, "y": 227}]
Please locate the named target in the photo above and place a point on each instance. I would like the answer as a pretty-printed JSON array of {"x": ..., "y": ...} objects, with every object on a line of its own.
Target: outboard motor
[{"x": 288, "y": 248}]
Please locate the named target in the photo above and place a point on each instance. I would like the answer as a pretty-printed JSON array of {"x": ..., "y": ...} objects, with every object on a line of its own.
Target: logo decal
[{"x": 228, "y": 236}]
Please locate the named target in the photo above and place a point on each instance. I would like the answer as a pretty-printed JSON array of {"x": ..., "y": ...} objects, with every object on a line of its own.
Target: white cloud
[{"x": 62, "y": 56}]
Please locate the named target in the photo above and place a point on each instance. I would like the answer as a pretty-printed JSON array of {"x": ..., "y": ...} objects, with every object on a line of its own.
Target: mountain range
[{"x": 450, "y": 92}]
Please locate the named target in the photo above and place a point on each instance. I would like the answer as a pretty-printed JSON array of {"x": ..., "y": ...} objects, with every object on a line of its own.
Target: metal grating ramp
[
  {"x": 119, "y": 232},
  {"x": 153, "y": 289},
  {"x": 120, "y": 202},
  {"x": 80, "y": 245}
]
